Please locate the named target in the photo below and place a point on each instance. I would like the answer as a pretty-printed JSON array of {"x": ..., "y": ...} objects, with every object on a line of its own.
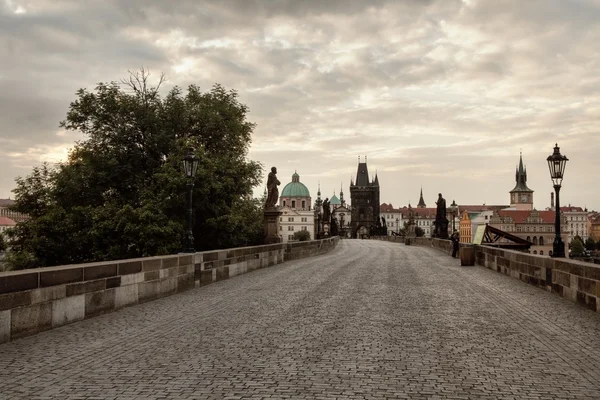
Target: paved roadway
[{"x": 369, "y": 320}]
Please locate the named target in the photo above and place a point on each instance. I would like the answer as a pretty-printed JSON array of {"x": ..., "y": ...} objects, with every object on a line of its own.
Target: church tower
[
  {"x": 364, "y": 196},
  {"x": 421, "y": 201},
  {"x": 521, "y": 197}
]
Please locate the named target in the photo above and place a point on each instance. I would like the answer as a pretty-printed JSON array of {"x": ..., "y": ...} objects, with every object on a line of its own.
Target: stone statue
[
  {"x": 383, "y": 222},
  {"x": 326, "y": 210},
  {"x": 441, "y": 208},
  {"x": 272, "y": 183}
]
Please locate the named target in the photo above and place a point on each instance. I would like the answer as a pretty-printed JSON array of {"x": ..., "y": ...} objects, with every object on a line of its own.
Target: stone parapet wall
[
  {"x": 36, "y": 300},
  {"x": 575, "y": 280}
]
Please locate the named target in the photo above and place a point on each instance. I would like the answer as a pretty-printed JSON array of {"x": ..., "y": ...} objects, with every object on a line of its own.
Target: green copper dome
[
  {"x": 334, "y": 200},
  {"x": 295, "y": 188}
]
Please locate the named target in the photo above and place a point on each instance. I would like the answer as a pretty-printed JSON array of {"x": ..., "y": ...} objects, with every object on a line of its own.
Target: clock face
[{"x": 523, "y": 198}]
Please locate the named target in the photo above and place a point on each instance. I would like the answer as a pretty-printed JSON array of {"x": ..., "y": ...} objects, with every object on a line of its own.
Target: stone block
[
  {"x": 126, "y": 295},
  {"x": 50, "y": 293},
  {"x": 25, "y": 321},
  {"x": 18, "y": 282},
  {"x": 210, "y": 256},
  {"x": 113, "y": 282},
  {"x": 186, "y": 260},
  {"x": 168, "y": 273},
  {"x": 151, "y": 275},
  {"x": 168, "y": 286},
  {"x": 99, "y": 302},
  {"x": 67, "y": 310},
  {"x": 131, "y": 267},
  {"x": 75, "y": 289},
  {"x": 14, "y": 300},
  {"x": 198, "y": 258},
  {"x": 148, "y": 290},
  {"x": 132, "y": 279},
  {"x": 171, "y": 262},
  {"x": 222, "y": 273},
  {"x": 61, "y": 276},
  {"x": 5, "y": 326},
  {"x": 185, "y": 282},
  {"x": 206, "y": 277},
  {"x": 152, "y": 265},
  {"x": 99, "y": 271}
]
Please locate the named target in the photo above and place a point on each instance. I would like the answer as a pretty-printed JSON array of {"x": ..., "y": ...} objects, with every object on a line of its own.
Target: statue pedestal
[
  {"x": 271, "y": 224},
  {"x": 326, "y": 229},
  {"x": 441, "y": 228}
]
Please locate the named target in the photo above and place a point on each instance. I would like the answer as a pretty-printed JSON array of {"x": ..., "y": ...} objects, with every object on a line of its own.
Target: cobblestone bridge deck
[{"x": 367, "y": 320}]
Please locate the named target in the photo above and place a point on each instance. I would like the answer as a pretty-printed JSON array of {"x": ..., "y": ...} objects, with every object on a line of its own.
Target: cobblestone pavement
[{"x": 369, "y": 320}]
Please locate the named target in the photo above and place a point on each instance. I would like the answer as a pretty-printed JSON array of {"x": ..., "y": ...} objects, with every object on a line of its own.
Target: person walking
[{"x": 455, "y": 238}]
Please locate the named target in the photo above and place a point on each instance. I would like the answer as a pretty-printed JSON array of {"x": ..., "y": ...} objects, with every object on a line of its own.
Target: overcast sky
[{"x": 440, "y": 94}]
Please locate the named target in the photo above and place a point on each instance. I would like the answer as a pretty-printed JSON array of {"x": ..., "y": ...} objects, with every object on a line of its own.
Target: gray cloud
[{"x": 442, "y": 94}]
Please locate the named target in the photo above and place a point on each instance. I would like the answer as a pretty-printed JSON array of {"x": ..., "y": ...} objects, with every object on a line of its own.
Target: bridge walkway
[{"x": 368, "y": 320}]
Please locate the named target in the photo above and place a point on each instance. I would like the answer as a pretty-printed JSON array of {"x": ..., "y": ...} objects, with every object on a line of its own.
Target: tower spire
[{"x": 421, "y": 201}]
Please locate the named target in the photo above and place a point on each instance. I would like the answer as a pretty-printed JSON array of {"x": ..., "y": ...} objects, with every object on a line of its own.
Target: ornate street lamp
[
  {"x": 454, "y": 208},
  {"x": 556, "y": 164},
  {"x": 190, "y": 165},
  {"x": 397, "y": 221}
]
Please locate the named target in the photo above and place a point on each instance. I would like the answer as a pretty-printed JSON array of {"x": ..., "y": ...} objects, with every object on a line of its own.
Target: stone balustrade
[
  {"x": 39, "y": 299},
  {"x": 575, "y": 280}
]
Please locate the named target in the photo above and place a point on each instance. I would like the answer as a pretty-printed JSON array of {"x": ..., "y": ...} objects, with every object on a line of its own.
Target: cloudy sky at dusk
[{"x": 440, "y": 94}]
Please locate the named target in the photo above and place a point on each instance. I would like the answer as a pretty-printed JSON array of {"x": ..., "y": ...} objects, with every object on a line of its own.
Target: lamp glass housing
[
  {"x": 190, "y": 164},
  {"x": 556, "y": 164}
]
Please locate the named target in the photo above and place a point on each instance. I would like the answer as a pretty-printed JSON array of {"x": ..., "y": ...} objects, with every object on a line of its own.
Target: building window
[
  {"x": 303, "y": 204},
  {"x": 535, "y": 252},
  {"x": 290, "y": 219},
  {"x": 535, "y": 241},
  {"x": 541, "y": 252},
  {"x": 290, "y": 227},
  {"x": 280, "y": 227},
  {"x": 541, "y": 242},
  {"x": 293, "y": 203},
  {"x": 290, "y": 237},
  {"x": 280, "y": 219},
  {"x": 284, "y": 203}
]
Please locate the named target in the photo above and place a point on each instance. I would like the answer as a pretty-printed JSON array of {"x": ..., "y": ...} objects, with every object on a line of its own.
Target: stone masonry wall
[
  {"x": 36, "y": 300},
  {"x": 575, "y": 280}
]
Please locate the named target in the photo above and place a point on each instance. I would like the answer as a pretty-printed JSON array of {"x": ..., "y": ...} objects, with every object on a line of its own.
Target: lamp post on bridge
[
  {"x": 556, "y": 164},
  {"x": 397, "y": 222},
  {"x": 453, "y": 208},
  {"x": 190, "y": 165}
]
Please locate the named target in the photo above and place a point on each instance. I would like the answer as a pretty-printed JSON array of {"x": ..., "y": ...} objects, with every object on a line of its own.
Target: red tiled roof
[
  {"x": 6, "y": 202},
  {"x": 482, "y": 207},
  {"x": 4, "y": 221},
  {"x": 520, "y": 216},
  {"x": 571, "y": 209}
]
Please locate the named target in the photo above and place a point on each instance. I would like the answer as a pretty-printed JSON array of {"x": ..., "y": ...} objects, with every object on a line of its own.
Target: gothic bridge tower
[{"x": 364, "y": 196}]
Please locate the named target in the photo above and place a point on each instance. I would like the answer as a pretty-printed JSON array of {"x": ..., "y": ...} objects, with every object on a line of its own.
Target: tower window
[{"x": 293, "y": 203}]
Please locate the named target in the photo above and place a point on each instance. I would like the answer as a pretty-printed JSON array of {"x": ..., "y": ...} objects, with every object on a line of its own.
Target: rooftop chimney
[{"x": 552, "y": 200}]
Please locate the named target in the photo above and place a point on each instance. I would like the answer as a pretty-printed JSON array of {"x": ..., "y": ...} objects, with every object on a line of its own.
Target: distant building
[
  {"x": 6, "y": 223},
  {"x": 364, "y": 196},
  {"x": 342, "y": 214},
  {"x": 394, "y": 218},
  {"x": 6, "y": 212},
  {"x": 295, "y": 203},
  {"x": 521, "y": 197},
  {"x": 465, "y": 228},
  {"x": 577, "y": 222},
  {"x": 537, "y": 227},
  {"x": 594, "y": 226}
]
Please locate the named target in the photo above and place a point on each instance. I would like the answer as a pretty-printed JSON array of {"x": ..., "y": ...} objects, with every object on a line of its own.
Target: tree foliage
[
  {"x": 2, "y": 242},
  {"x": 590, "y": 244},
  {"x": 121, "y": 193},
  {"x": 419, "y": 231},
  {"x": 302, "y": 236},
  {"x": 577, "y": 248}
]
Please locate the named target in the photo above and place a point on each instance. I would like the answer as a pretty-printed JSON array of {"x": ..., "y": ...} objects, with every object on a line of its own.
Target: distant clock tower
[{"x": 521, "y": 197}]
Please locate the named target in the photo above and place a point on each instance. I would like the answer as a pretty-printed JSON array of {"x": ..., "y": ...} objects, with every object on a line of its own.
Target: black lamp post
[
  {"x": 397, "y": 222},
  {"x": 190, "y": 165},
  {"x": 454, "y": 208},
  {"x": 556, "y": 164}
]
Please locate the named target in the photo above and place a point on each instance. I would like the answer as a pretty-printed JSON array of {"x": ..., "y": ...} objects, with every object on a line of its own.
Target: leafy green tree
[
  {"x": 302, "y": 236},
  {"x": 577, "y": 248},
  {"x": 2, "y": 243},
  {"x": 419, "y": 231},
  {"x": 122, "y": 192},
  {"x": 590, "y": 244}
]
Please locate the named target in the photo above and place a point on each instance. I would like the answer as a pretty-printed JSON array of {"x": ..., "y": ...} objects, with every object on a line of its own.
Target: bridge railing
[
  {"x": 575, "y": 280},
  {"x": 39, "y": 299}
]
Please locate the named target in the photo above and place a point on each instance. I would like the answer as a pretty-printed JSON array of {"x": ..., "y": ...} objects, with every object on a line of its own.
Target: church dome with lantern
[{"x": 295, "y": 195}]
